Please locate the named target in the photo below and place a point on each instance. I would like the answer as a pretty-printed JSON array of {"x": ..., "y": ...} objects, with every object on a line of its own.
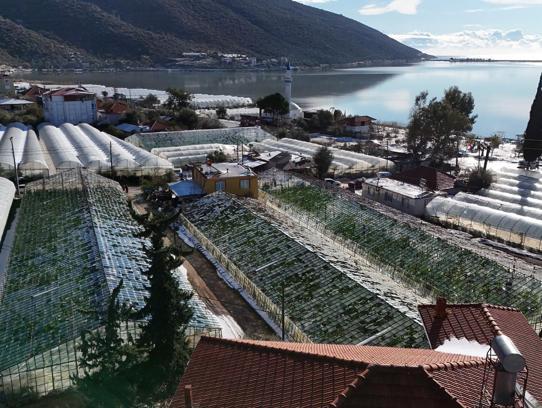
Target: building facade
[
  {"x": 231, "y": 178},
  {"x": 70, "y": 105}
]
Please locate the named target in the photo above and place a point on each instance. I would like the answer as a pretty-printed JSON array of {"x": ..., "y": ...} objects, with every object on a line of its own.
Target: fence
[{"x": 292, "y": 332}]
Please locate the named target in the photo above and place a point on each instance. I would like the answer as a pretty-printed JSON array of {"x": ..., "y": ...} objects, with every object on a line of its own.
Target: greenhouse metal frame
[
  {"x": 324, "y": 304},
  {"x": 74, "y": 241},
  {"x": 420, "y": 259}
]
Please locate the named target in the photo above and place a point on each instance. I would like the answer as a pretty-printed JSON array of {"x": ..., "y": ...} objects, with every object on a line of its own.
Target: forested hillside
[{"x": 151, "y": 32}]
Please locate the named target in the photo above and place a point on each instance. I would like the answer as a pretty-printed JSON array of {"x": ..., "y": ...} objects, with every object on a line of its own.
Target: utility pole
[
  {"x": 15, "y": 167},
  {"x": 111, "y": 156},
  {"x": 283, "y": 314}
]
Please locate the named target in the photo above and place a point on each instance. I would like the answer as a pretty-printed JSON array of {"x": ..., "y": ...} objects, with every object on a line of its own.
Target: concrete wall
[
  {"x": 58, "y": 111},
  {"x": 409, "y": 205}
]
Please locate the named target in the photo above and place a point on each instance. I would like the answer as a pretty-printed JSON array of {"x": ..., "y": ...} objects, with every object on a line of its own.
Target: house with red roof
[
  {"x": 426, "y": 177},
  {"x": 245, "y": 373},
  {"x": 480, "y": 323}
]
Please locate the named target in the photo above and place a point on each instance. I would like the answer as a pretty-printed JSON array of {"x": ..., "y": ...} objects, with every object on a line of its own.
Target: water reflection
[{"x": 503, "y": 91}]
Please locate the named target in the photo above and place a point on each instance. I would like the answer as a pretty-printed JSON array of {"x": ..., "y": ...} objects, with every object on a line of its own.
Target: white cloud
[
  {"x": 398, "y": 6},
  {"x": 490, "y": 43},
  {"x": 520, "y": 3}
]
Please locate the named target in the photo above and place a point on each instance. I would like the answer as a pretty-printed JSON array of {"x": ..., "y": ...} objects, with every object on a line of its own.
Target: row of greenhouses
[
  {"x": 322, "y": 301},
  {"x": 182, "y": 155},
  {"x": 7, "y": 194},
  {"x": 70, "y": 146},
  {"x": 510, "y": 210},
  {"x": 230, "y": 136},
  {"x": 343, "y": 161},
  {"x": 424, "y": 260},
  {"x": 19, "y": 146}
]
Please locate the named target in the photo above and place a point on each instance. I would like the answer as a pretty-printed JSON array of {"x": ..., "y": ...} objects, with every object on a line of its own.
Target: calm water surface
[{"x": 503, "y": 91}]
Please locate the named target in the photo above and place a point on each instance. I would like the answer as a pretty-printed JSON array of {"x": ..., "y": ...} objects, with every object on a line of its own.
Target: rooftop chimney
[
  {"x": 440, "y": 311},
  {"x": 188, "y": 396}
]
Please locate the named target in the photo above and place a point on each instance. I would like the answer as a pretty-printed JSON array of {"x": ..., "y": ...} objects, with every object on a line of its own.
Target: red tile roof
[
  {"x": 435, "y": 180},
  {"x": 227, "y": 373},
  {"x": 481, "y": 322}
]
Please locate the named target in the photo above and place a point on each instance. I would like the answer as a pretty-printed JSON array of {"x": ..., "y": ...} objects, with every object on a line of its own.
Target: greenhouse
[
  {"x": 182, "y": 155},
  {"x": 33, "y": 160},
  {"x": 58, "y": 147},
  {"x": 498, "y": 224},
  {"x": 234, "y": 136},
  {"x": 324, "y": 303},
  {"x": 7, "y": 194},
  {"x": 500, "y": 205},
  {"x": 205, "y": 101},
  {"x": 423, "y": 260},
  {"x": 74, "y": 242},
  {"x": 70, "y": 147},
  {"x": 16, "y": 133},
  {"x": 344, "y": 162}
]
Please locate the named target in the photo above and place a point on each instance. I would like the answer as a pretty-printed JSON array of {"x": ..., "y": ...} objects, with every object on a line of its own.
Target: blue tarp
[{"x": 186, "y": 188}]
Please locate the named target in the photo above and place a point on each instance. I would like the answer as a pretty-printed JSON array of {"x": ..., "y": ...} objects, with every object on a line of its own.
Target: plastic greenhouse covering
[
  {"x": 149, "y": 141},
  {"x": 499, "y": 224},
  {"x": 33, "y": 160},
  {"x": 343, "y": 161},
  {"x": 181, "y": 155},
  {"x": 7, "y": 193},
  {"x": 60, "y": 150},
  {"x": 15, "y": 132},
  {"x": 325, "y": 303},
  {"x": 500, "y": 205},
  {"x": 70, "y": 147}
]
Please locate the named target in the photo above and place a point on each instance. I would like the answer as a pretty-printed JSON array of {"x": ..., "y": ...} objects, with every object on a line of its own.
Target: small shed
[{"x": 405, "y": 197}]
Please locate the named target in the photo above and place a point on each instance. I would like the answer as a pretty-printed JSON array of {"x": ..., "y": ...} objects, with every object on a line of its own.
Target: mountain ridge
[{"x": 151, "y": 32}]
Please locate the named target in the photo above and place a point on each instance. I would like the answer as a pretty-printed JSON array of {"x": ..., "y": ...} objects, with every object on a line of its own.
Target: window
[
  {"x": 244, "y": 184},
  {"x": 220, "y": 186}
]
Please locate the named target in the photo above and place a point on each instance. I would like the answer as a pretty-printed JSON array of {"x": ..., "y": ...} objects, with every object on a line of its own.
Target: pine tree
[
  {"x": 532, "y": 146},
  {"x": 168, "y": 314}
]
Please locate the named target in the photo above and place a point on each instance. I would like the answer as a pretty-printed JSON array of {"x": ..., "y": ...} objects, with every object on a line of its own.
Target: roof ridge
[
  {"x": 350, "y": 388},
  {"x": 491, "y": 320},
  {"x": 454, "y": 365},
  {"x": 248, "y": 344},
  {"x": 451, "y": 305},
  {"x": 500, "y": 307}
]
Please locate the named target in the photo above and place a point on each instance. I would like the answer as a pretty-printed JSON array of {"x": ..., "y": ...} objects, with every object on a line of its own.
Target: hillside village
[{"x": 326, "y": 259}]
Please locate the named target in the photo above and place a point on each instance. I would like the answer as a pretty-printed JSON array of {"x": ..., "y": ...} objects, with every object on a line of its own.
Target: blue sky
[{"x": 476, "y": 28}]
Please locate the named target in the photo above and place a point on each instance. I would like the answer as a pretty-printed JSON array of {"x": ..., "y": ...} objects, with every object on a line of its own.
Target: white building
[
  {"x": 70, "y": 105},
  {"x": 405, "y": 197}
]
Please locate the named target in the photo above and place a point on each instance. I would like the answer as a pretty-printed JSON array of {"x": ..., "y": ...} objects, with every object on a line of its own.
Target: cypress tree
[
  {"x": 168, "y": 314},
  {"x": 107, "y": 360},
  {"x": 532, "y": 145}
]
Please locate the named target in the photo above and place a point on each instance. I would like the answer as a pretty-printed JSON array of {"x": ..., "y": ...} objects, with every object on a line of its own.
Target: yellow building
[{"x": 231, "y": 178}]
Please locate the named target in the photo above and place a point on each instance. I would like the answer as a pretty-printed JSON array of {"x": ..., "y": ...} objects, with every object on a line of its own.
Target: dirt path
[{"x": 235, "y": 306}]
